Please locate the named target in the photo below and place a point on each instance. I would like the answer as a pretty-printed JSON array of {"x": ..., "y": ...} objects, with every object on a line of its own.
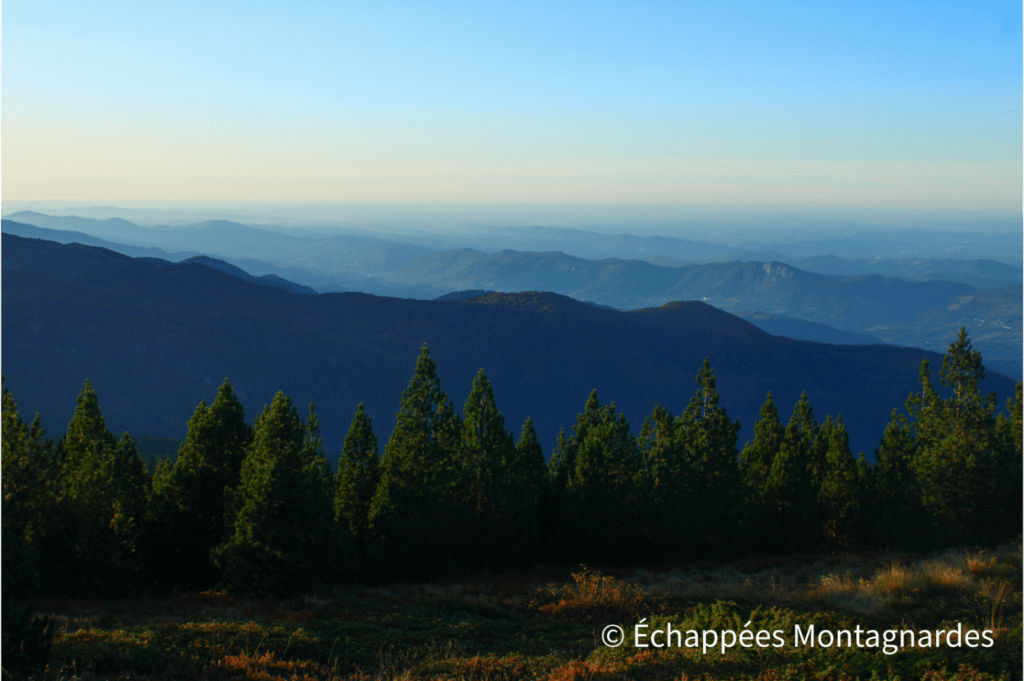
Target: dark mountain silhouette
[
  {"x": 265, "y": 280},
  {"x": 152, "y": 255},
  {"x": 66, "y": 237},
  {"x": 155, "y": 340}
]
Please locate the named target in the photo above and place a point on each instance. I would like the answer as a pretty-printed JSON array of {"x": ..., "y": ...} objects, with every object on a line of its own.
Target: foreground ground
[{"x": 548, "y": 625}]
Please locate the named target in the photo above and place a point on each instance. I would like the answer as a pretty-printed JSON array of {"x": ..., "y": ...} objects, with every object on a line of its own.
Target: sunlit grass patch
[{"x": 591, "y": 595}]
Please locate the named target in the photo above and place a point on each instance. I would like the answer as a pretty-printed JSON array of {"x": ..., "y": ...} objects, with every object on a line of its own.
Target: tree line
[{"x": 255, "y": 508}]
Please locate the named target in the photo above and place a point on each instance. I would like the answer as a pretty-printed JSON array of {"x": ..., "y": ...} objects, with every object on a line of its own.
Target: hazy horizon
[{"x": 876, "y": 107}]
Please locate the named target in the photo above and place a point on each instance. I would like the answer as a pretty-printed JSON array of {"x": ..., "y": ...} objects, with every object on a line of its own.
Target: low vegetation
[{"x": 540, "y": 625}]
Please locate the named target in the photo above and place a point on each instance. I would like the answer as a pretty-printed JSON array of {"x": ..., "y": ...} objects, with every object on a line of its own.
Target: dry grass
[
  {"x": 867, "y": 583},
  {"x": 591, "y": 595}
]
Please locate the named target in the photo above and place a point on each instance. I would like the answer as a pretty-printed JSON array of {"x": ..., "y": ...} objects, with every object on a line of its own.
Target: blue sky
[{"x": 803, "y": 103}]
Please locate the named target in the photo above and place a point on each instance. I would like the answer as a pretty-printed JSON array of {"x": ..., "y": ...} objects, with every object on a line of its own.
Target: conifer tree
[
  {"x": 712, "y": 480},
  {"x": 1007, "y": 493},
  {"x": 756, "y": 462},
  {"x": 757, "y": 457},
  {"x": 956, "y": 463},
  {"x": 282, "y": 538},
  {"x": 415, "y": 515},
  {"x": 599, "y": 518},
  {"x": 358, "y": 476},
  {"x": 841, "y": 494},
  {"x": 30, "y": 475},
  {"x": 101, "y": 504},
  {"x": 556, "y": 477},
  {"x": 27, "y": 496},
  {"x": 529, "y": 474},
  {"x": 488, "y": 460},
  {"x": 788, "y": 504},
  {"x": 665, "y": 482},
  {"x": 899, "y": 519},
  {"x": 802, "y": 434},
  {"x": 26, "y": 640},
  {"x": 187, "y": 511}
]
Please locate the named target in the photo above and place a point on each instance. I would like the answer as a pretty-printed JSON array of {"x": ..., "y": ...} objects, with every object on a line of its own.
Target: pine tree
[
  {"x": 282, "y": 538},
  {"x": 955, "y": 465},
  {"x": 556, "y": 478},
  {"x": 712, "y": 479},
  {"x": 187, "y": 513},
  {"x": 487, "y": 454},
  {"x": 599, "y": 515},
  {"x": 756, "y": 462},
  {"x": 841, "y": 494},
  {"x": 415, "y": 515},
  {"x": 358, "y": 477},
  {"x": 103, "y": 492},
  {"x": 802, "y": 434},
  {"x": 529, "y": 475},
  {"x": 26, "y": 499},
  {"x": 30, "y": 477},
  {"x": 27, "y": 638},
  {"x": 789, "y": 505},
  {"x": 757, "y": 456},
  {"x": 1007, "y": 492},
  {"x": 666, "y": 481},
  {"x": 899, "y": 519}
]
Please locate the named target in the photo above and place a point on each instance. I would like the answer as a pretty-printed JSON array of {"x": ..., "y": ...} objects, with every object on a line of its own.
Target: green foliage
[
  {"x": 187, "y": 510},
  {"x": 416, "y": 516},
  {"x": 26, "y": 638},
  {"x": 899, "y": 519},
  {"x": 957, "y": 464},
  {"x": 101, "y": 506},
  {"x": 712, "y": 479},
  {"x": 757, "y": 457},
  {"x": 842, "y": 494},
  {"x": 691, "y": 471},
  {"x": 502, "y": 480},
  {"x": 282, "y": 537},
  {"x": 600, "y": 511},
  {"x": 357, "y": 480},
  {"x": 529, "y": 473}
]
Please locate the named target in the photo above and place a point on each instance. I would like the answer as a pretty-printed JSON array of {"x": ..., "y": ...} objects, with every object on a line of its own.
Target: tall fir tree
[
  {"x": 842, "y": 493},
  {"x": 600, "y": 517},
  {"x": 416, "y": 516},
  {"x": 529, "y": 475},
  {"x": 487, "y": 452},
  {"x": 1007, "y": 491},
  {"x": 667, "y": 509},
  {"x": 956, "y": 464},
  {"x": 282, "y": 538},
  {"x": 712, "y": 482},
  {"x": 358, "y": 477},
  {"x": 27, "y": 496},
  {"x": 101, "y": 503},
  {"x": 756, "y": 462},
  {"x": 899, "y": 520},
  {"x": 30, "y": 482},
  {"x": 187, "y": 511}
]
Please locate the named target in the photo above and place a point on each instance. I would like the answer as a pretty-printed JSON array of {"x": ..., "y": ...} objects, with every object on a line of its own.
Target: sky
[{"x": 872, "y": 105}]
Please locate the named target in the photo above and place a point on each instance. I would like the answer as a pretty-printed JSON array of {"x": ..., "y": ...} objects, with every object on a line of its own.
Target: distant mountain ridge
[
  {"x": 153, "y": 255},
  {"x": 155, "y": 340},
  {"x": 920, "y": 314}
]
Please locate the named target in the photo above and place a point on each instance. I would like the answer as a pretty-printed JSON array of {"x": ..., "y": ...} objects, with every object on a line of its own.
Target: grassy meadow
[{"x": 546, "y": 624}]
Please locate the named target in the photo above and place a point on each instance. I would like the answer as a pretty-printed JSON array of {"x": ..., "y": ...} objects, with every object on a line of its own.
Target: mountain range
[
  {"x": 920, "y": 311},
  {"x": 155, "y": 339}
]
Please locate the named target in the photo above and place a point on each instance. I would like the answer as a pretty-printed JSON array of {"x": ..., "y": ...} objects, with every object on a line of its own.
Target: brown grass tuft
[{"x": 593, "y": 595}]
